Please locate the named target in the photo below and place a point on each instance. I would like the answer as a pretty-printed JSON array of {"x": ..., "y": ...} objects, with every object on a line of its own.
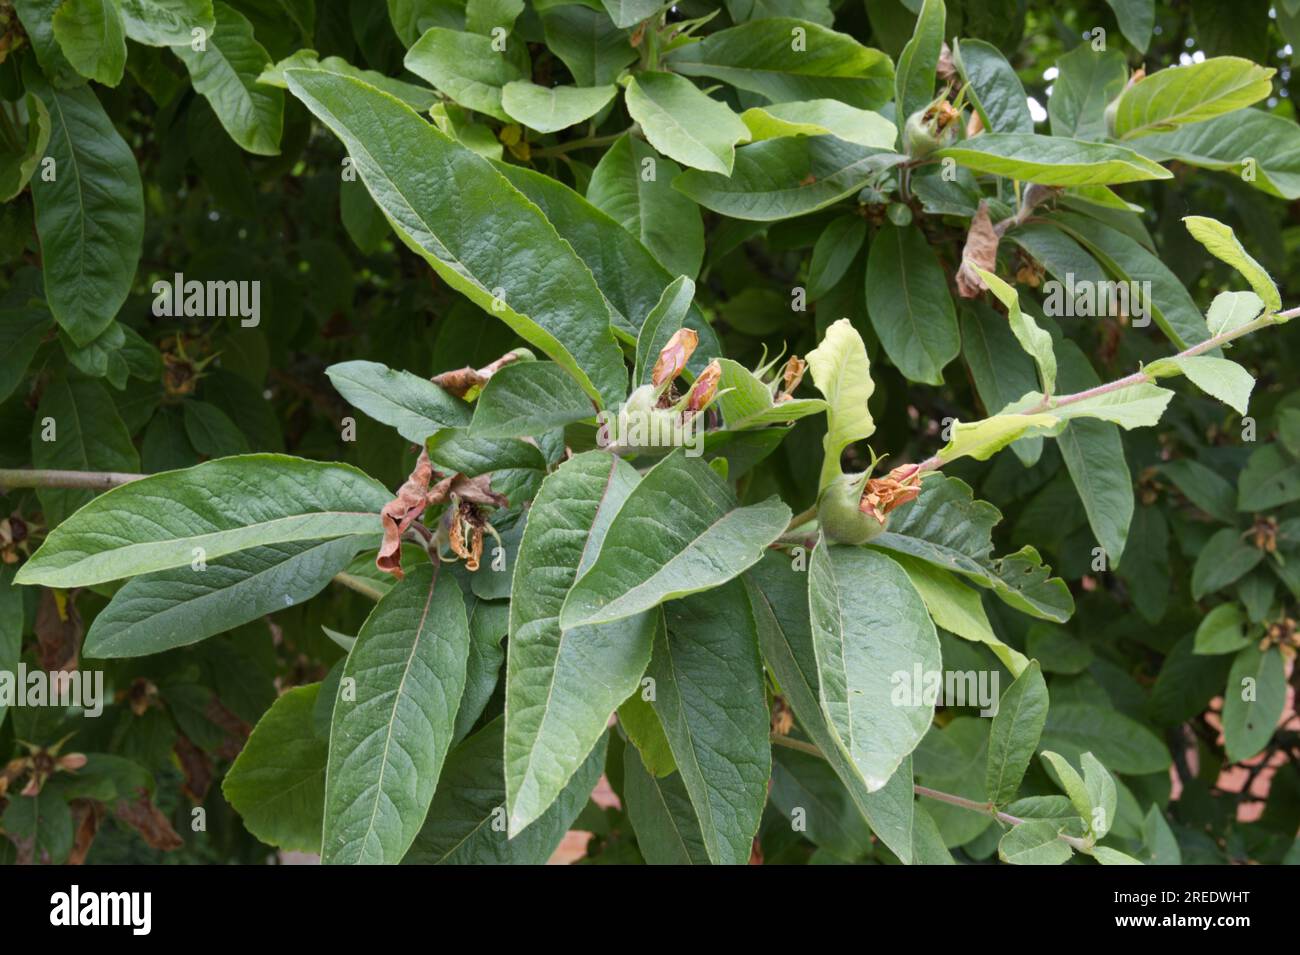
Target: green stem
[{"x": 803, "y": 517}]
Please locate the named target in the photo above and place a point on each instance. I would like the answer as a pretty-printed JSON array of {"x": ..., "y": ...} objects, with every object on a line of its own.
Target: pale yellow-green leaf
[
  {"x": 842, "y": 373},
  {"x": 1223, "y": 244}
]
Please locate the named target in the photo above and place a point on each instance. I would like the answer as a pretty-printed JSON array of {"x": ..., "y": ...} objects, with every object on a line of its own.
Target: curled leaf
[
  {"x": 980, "y": 252},
  {"x": 674, "y": 356}
]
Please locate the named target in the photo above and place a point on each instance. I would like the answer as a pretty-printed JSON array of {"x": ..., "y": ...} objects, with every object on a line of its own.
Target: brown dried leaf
[
  {"x": 703, "y": 390},
  {"x": 86, "y": 816},
  {"x": 196, "y": 767},
  {"x": 399, "y": 513},
  {"x": 674, "y": 356},
  {"x": 895, "y": 489},
  {"x": 147, "y": 819},
  {"x": 981, "y": 250},
  {"x": 58, "y": 631}
]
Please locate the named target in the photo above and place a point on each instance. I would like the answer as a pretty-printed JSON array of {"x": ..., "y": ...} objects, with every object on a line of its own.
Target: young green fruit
[
  {"x": 929, "y": 129},
  {"x": 839, "y": 509}
]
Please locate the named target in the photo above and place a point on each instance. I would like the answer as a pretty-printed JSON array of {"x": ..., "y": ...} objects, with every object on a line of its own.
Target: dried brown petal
[
  {"x": 791, "y": 377},
  {"x": 399, "y": 513},
  {"x": 674, "y": 356},
  {"x": 703, "y": 390},
  {"x": 146, "y": 818},
  {"x": 895, "y": 489},
  {"x": 196, "y": 767},
  {"x": 86, "y": 816}
]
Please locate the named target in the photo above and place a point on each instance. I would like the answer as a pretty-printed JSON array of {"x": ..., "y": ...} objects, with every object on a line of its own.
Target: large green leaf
[
  {"x": 1224, "y": 245},
  {"x": 679, "y": 532},
  {"x": 528, "y": 398},
  {"x": 763, "y": 57},
  {"x": 387, "y": 744},
  {"x": 1271, "y": 479},
  {"x": 666, "y": 826},
  {"x": 277, "y": 783},
  {"x": 225, "y": 71},
  {"x": 166, "y": 22},
  {"x": 870, "y": 630},
  {"x": 820, "y": 117},
  {"x": 663, "y": 322},
  {"x": 805, "y": 788},
  {"x": 711, "y": 700},
  {"x": 444, "y": 217},
  {"x": 946, "y": 526},
  {"x": 177, "y": 607},
  {"x": 1013, "y": 737},
  {"x": 787, "y": 177},
  {"x": 909, "y": 304},
  {"x": 842, "y": 373},
  {"x": 93, "y": 38},
  {"x": 594, "y": 50},
  {"x": 994, "y": 89},
  {"x": 88, "y": 435},
  {"x": 19, "y": 157},
  {"x": 36, "y": 17},
  {"x": 1120, "y": 742},
  {"x": 89, "y": 212},
  {"x": 1253, "y": 701},
  {"x": 1052, "y": 160},
  {"x": 628, "y": 13},
  {"x": 1261, "y": 148},
  {"x": 562, "y": 685},
  {"x": 683, "y": 123},
  {"x": 1193, "y": 93},
  {"x": 11, "y": 628},
  {"x": 415, "y": 406},
  {"x": 779, "y": 597},
  {"x": 466, "y": 822},
  {"x": 633, "y": 185},
  {"x": 914, "y": 82},
  {"x": 551, "y": 109},
  {"x": 1087, "y": 81},
  {"x": 467, "y": 67},
  {"x": 207, "y": 511}
]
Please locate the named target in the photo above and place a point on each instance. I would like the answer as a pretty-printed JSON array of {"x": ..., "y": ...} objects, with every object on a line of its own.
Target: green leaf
[
  {"x": 484, "y": 16},
  {"x": 835, "y": 251},
  {"x": 1052, "y": 160},
  {"x": 488, "y": 622},
  {"x": 1081, "y": 795},
  {"x": 982, "y": 439},
  {"x": 41, "y": 825},
  {"x": 1136, "y": 20},
  {"x": 999, "y": 366},
  {"x": 909, "y": 304},
  {"x": 805, "y": 784},
  {"x": 820, "y": 117},
  {"x": 36, "y": 17},
  {"x": 387, "y": 745},
  {"x": 178, "y": 607},
  {"x": 1108, "y": 856},
  {"x": 711, "y": 699},
  {"x": 528, "y": 398},
  {"x": 88, "y": 435},
  {"x": 993, "y": 87},
  {"x": 89, "y": 215},
  {"x": 467, "y": 67},
  {"x": 11, "y": 628},
  {"x": 957, "y": 608},
  {"x": 93, "y": 38},
  {"x": 225, "y": 72},
  {"x": 763, "y": 57},
  {"x": 1036, "y": 342},
  {"x": 1033, "y": 843},
  {"x": 684, "y": 123},
  {"x": 562, "y": 685},
  {"x": 277, "y": 783},
  {"x": 678, "y": 533},
  {"x": 415, "y": 406},
  {"x": 393, "y": 148},
  {"x": 1253, "y": 701},
  {"x": 1120, "y": 742},
  {"x": 947, "y": 527},
  {"x": 1230, "y": 310},
  {"x": 644, "y": 729},
  {"x": 1223, "y": 244},
  {"x": 1223, "y": 560},
  {"x": 551, "y": 109},
  {"x": 869, "y": 625},
  {"x": 1087, "y": 81},
  {"x": 667, "y": 829},
  {"x": 455, "y": 449},
  {"x": 1217, "y": 377},
  {"x": 1261, "y": 147},
  {"x": 628, "y": 13},
  {"x": 778, "y": 595},
  {"x": 418, "y": 97},
  {"x": 18, "y": 159},
  {"x": 1176, "y": 96},
  {"x": 166, "y": 22},
  {"x": 1158, "y": 839},
  {"x": 787, "y": 177},
  {"x": 663, "y": 322},
  {"x": 1222, "y": 630},
  {"x": 747, "y": 402},
  {"x": 1271, "y": 479},
  {"x": 1013, "y": 737},
  {"x": 594, "y": 50},
  {"x": 632, "y": 184},
  {"x": 914, "y": 82},
  {"x": 222, "y": 506},
  {"x": 842, "y": 373},
  {"x": 210, "y": 430},
  {"x": 466, "y": 822}
]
